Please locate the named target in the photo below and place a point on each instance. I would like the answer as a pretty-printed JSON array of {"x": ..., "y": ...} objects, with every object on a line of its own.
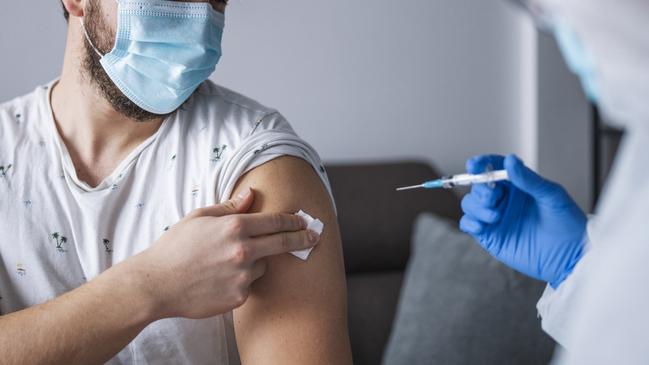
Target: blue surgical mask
[
  {"x": 577, "y": 58},
  {"x": 163, "y": 51}
]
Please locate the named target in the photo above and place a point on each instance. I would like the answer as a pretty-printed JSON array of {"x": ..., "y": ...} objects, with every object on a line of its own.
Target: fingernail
[
  {"x": 313, "y": 237},
  {"x": 244, "y": 194}
]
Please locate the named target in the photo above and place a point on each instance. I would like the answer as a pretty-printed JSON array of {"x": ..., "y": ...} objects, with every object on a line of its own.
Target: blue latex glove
[{"x": 528, "y": 223}]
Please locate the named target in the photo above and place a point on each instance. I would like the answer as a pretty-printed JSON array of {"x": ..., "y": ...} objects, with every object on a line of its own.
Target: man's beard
[{"x": 99, "y": 34}]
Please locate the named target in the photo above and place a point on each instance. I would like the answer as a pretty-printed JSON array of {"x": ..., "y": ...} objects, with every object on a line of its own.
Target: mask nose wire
[{"x": 85, "y": 32}]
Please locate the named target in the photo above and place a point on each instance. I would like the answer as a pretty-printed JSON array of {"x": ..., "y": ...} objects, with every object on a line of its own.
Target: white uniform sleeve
[
  {"x": 557, "y": 307},
  {"x": 275, "y": 138}
]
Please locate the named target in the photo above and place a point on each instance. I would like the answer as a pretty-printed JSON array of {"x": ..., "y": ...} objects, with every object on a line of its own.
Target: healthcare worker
[{"x": 596, "y": 302}]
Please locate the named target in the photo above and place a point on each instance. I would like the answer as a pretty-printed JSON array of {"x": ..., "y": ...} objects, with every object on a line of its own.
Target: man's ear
[{"x": 75, "y": 7}]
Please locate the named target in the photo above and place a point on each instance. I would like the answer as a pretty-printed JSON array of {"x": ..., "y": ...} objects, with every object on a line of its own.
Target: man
[
  {"x": 112, "y": 250},
  {"x": 595, "y": 304}
]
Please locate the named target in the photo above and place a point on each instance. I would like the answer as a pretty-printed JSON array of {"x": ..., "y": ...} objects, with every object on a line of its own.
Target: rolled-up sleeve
[{"x": 267, "y": 142}]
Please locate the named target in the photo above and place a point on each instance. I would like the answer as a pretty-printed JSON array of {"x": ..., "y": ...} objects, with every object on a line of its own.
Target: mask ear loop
[{"x": 85, "y": 32}]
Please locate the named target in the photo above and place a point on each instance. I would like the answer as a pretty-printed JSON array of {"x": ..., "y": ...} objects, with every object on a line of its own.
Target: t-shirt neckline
[{"x": 68, "y": 166}]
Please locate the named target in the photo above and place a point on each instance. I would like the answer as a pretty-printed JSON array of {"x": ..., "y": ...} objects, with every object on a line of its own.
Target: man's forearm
[{"x": 88, "y": 325}]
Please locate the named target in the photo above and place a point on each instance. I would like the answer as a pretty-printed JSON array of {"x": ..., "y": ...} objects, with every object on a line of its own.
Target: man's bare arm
[
  {"x": 88, "y": 325},
  {"x": 203, "y": 266},
  {"x": 296, "y": 313}
]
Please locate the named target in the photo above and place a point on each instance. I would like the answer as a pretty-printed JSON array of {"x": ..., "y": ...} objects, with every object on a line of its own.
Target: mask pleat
[
  {"x": 192, "y": 56},
  {"x": 160, "y": 95},
  {"x": 173, "y": 75},
  {"x": 161, "y": 57}
]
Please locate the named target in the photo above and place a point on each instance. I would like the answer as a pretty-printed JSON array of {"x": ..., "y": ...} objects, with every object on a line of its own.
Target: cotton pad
[{"x": 314, "y": 225}]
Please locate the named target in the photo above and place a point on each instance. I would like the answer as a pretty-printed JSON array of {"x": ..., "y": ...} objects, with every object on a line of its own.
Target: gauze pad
[{"x": 314, "y": 225}]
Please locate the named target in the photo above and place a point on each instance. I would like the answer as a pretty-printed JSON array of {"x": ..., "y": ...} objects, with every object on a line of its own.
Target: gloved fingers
[
  {"x": 479, "y": 164},
  {"x": 488, "y": 196},
  {"x": 527, "y": 180},
  {"x": 472, "y": 207},
  {"x": 471, "y": 226}
]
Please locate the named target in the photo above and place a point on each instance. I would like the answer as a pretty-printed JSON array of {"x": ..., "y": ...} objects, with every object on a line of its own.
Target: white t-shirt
[{"x": 56, "y": 232}]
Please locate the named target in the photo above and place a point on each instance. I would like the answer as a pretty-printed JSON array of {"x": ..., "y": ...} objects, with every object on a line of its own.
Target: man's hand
[
  {"x": 205, "y": 264},
  {"x": 201, "y": 267}
]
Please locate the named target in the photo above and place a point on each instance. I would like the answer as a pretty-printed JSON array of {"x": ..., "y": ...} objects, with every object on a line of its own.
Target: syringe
[{"x": 461, "y": 180}]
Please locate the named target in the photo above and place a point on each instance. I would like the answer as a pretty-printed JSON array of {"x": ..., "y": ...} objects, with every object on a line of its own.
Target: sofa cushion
[{"x": 460, "y": 306}]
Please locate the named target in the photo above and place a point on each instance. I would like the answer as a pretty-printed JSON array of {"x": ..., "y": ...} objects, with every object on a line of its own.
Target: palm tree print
[
  {"x": 60, "y": 241},
  {"x": 261, "y": 149},
  {"x": 21, "y": 270},
  {"x": 217, "y": 152},
  {"x": 106, "y": 243},
  {"x": 172, "y": 162},
  {"x": 4, "y": 170}
]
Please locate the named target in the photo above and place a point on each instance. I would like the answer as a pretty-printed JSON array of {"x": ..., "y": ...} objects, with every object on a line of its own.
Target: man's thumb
[
  {"x": 238, "y": 205},
  {"x": 525, "y": 179}
]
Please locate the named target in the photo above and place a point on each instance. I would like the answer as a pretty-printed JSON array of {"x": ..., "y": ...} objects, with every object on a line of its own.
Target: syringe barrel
[{"x": 484, "y": 178}]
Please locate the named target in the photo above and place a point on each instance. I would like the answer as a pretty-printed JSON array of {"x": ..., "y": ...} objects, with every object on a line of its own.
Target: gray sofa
[{"x": 376, "y": 227}]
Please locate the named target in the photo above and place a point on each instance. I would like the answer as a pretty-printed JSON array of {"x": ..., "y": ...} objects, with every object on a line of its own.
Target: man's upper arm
[{"x": 297, "y": 312}]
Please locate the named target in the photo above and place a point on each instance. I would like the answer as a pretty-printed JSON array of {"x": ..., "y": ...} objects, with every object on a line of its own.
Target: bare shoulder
[
  {"x": 292, "y": 183},
  {"x": 297, "y": 312}
]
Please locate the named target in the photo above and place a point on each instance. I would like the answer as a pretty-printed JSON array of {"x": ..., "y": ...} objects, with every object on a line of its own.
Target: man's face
[{"x": 101, "y": 24}]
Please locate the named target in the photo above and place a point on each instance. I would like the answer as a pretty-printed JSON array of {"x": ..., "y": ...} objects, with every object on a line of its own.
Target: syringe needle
[{"x": 411, "y": 187}]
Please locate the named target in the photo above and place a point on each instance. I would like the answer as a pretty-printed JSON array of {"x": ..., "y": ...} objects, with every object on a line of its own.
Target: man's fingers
[
  {"x": 237, "y": 205},
  {"x": 284, "y": 242},
  {"x": 262, "y": 224}
]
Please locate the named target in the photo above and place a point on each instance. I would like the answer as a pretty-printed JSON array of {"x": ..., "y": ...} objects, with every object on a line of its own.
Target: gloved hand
[{"x": 528, "y": 223}]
